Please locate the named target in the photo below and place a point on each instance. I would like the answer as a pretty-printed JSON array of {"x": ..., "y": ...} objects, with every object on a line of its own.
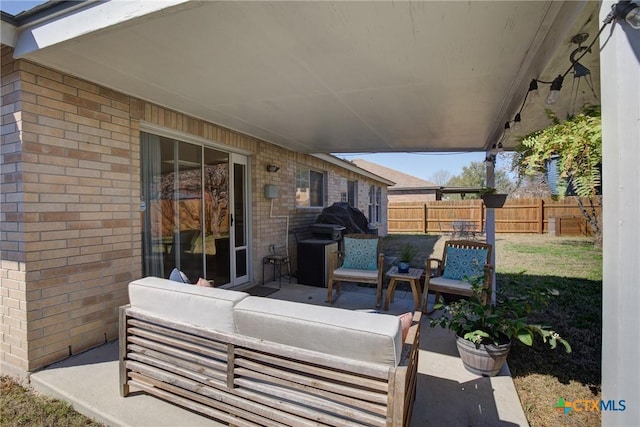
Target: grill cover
[{"x": 341, "y": 213}]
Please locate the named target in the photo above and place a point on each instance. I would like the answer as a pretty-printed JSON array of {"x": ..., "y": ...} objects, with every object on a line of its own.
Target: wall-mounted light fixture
[{"x": 273, "y": 168}]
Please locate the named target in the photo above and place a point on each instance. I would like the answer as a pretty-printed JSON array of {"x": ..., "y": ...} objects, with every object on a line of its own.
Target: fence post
[
  {"x": 425, "y": 223},
  {"x": 541, "y": 215}
]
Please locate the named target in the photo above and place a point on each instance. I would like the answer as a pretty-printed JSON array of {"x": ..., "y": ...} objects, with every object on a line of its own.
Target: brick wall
[
  {"x": 70, "y": 218},
  {"x": 13, "y": 313},
  {"x": 76, "y": 245}
]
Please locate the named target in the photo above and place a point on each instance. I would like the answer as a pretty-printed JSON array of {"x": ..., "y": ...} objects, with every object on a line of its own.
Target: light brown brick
[
  {"x": 84, "y": 170},
  {"x": 116, "y": 97},
  {"x": 51, "y": 145},
  {"x": 78, "y": 137},
  {"x": 38, "y": 70},
  {"x": 94, "y": 165},
  {"x": 82, "y": 154},
  {"x": 86, "y": 121},
  {"x": 80, "y": 84},
  {"x": 95, "y": 233},
  {"x": 81, "y": 102},
  {"x": 56, "y": 104},
  {"x": 94, "y": 97},
  {"x": 95, "y": 115},
  {"x": 119, "y": 112},
  {"x": 85, "y": 259},
  {"x": 42, "y": 91},
  {"x": 95, "y": 148}
]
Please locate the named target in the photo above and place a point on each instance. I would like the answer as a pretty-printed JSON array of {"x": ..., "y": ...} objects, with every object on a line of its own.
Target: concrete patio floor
[{"x": 447, "y": 394}]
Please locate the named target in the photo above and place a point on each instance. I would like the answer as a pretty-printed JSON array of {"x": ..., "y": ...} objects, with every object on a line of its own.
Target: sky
[
  {"x": 421, "y": 165},
  {"x": 14, "y": 7}
]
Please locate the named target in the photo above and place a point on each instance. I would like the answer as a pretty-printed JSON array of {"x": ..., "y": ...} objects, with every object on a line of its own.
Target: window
[
  {"x": 375, "y": 203},
  {"x": 352, "y": 191},
  {"x": 309, "y": 188}
]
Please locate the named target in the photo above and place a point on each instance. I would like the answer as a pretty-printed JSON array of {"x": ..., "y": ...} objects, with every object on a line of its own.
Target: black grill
[{"x": 327, "y": 231}]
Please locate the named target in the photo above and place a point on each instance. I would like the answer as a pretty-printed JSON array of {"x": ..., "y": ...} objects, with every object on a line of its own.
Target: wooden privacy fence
[{"x": 535, "y": 215}]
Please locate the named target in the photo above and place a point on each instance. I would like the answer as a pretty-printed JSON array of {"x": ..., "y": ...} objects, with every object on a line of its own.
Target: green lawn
[
  {"x": 20, "y": 407},
  {"x": 573, "y": 267}
]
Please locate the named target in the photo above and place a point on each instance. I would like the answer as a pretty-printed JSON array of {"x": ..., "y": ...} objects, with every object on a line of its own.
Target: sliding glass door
[{"x": 194, "y": 211}]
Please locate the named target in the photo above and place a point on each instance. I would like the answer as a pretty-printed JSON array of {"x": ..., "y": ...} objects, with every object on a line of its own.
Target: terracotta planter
[
  {"x": 494, "y": 200},
  {"x": 485, "y": 360}
]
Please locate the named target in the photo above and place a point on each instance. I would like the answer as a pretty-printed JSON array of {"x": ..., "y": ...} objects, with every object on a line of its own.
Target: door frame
[
  {"x": 234, "y": 154},
  {"x": 240, "y": 159}
]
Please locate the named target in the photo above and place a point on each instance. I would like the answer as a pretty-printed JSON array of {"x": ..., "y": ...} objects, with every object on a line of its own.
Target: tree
[
  {"x": 577, "y": 145},
  {"x": 441, "y": 177},
  {"x": 475, "y": 174}
]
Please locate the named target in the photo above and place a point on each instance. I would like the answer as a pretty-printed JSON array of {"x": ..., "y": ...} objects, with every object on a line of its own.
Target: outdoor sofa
[{"x": 249, "y": 361}]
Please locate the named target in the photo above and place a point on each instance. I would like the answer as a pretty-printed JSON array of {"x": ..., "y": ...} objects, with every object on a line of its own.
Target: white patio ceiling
[{"x": 328, "y": 76}]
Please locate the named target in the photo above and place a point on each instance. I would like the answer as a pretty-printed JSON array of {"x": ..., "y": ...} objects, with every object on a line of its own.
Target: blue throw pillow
[
  {"x": 360, "y": 254},
  {"x": 464, "y": 262},
  {"x": 178, "y": 276}
]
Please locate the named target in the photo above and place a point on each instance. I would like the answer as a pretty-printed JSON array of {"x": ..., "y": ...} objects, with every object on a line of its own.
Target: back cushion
[
  {"x": 464, "y": 262},
  {"x": 356, "y": 335},
  {"x": 195, "y": 305},
  {"x": 360, "y": 254}
]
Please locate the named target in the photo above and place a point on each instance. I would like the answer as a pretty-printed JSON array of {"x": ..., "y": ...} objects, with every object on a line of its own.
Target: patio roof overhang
[{"x": 325, "y": 77}]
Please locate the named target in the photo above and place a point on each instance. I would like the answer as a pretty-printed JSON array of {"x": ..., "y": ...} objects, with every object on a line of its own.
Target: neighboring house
[
  {"x": 407, "y": 188},
  {"x": 100, "y": 188}
]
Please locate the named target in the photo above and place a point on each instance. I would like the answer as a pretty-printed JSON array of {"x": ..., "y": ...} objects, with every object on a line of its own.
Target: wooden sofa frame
[{"x": 245, "y": 381}]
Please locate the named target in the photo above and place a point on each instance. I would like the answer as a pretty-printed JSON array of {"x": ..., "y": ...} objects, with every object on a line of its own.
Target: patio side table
[
  {"x": 277, "y": 261},
  {"x": 412, "y": 277}
]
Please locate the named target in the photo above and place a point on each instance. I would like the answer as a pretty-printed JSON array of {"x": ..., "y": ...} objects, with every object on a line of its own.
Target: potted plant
[
  {"x": 485, "y": 331},
  {"x": 491, "y": 198},
  {"x": 407, "y": 254}
]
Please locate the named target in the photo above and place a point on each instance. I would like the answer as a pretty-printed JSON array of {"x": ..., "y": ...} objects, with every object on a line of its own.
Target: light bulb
[
  {"x": 533, "y": 93},
  {"x": 516, "y": 122},
  {"x": 553, "y": 97},
  {"x": 507, "y": 131},
  {"x": 554, "y": 93}
]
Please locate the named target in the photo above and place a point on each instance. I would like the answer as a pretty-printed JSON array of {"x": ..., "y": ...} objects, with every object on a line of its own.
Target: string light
[{"x": 624, "y": 11}]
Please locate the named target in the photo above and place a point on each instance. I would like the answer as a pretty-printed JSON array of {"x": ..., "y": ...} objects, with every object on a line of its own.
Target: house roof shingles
[{"x": 401, "y": 179}]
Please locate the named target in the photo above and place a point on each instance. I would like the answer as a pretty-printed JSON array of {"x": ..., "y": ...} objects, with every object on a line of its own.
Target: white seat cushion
[
  {"x": 350, "y": 272},
  {"x": 356, "y": 335},
  {"x": 180, "y": 302},
  {"x": 450, "y": 283}
]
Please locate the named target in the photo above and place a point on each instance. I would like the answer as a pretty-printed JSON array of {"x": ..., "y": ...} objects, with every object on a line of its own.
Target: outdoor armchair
[
  {"x": 362, "y": 261},
  {"x": 461, "y": 259}
]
